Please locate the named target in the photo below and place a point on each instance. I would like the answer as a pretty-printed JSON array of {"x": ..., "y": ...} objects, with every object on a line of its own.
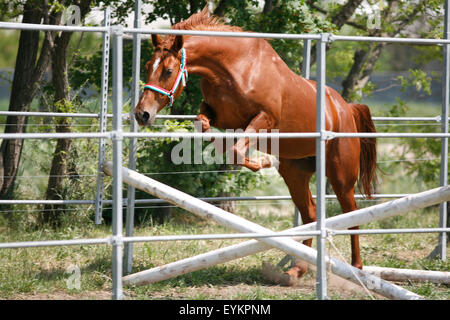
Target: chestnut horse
[{"x": 246, "y": 85}]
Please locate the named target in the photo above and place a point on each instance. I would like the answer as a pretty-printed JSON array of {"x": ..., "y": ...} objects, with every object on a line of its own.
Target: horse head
[{"x": 166, "y": 71}]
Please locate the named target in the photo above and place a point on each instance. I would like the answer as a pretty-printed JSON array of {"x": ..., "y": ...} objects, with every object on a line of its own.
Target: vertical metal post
[
  {"x": 321, "y": 286},
  {"x": 306, "y": 66},
  {"x": 129, "y": 224},
  {"x": 297, "y": 217},
  {"x": 442, "y": 243},
  {"x": 103, "y": 118},
  {"x": 117, "y": 137},
  {"x": 306, "y": 63}
]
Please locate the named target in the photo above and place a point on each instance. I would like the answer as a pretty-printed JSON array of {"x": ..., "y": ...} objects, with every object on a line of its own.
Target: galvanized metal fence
[{"x": 117, "y": 240}]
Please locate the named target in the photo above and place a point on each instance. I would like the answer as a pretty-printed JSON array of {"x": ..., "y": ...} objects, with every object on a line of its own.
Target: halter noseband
[{"x": 181, "y": 77}]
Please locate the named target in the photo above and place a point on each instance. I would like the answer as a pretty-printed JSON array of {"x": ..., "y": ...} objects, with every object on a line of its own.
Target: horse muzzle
[{"x": 145, "y": 118}]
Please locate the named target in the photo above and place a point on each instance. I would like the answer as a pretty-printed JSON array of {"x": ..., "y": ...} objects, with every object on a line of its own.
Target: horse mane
[{"x": 205, "y": 21}]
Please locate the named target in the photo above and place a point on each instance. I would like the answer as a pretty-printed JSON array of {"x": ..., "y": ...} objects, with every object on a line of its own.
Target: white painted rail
[
  {"x": 344, "y": 221},
  {"x": 290, "y": 246},
  {"x": 394, "y": 274}
]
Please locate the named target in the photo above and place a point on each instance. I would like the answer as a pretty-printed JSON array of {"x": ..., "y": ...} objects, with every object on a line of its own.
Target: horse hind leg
[
  {"x": 342, "y": 172},
  {"x": 297, "y": 173},
  {"x": 347, "y": 201}
]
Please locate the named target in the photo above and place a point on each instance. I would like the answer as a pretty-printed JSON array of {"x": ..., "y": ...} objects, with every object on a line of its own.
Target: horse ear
[
  {"x": 147, "y": 66},
  {"x": 177, "y": 43},
  {"x": 156, "y": 40}
]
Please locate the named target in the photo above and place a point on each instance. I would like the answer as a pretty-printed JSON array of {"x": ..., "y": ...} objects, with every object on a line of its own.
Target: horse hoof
[
  {"x": 204, "y": 121},
  {"x": 297, "y": 271},
  {"x": 276, "y": 276}
]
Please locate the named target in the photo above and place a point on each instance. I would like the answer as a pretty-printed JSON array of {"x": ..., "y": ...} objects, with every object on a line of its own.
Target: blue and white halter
[{"x": 181, "y": 77}]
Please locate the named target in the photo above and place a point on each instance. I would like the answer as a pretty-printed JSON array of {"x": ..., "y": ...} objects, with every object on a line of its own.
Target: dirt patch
[
  {"x": 61, "y": 295},
  {"x": 229, "y": 292},
  {"x": 334, "y": 283}
]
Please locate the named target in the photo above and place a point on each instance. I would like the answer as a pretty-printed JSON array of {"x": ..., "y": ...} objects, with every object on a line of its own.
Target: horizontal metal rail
[
  {"x": 216, "y": 236},
  {"x": 54, "y": 202},
  {"x": 284, "y": 36},
  {"x": 388, "y": 231},
  {"x": 47, "y": 27},
  {"x": 111, "y": 240},
  {"x": 436, "y": 119},
  {"x": 42, "y": 27},
  {"x": 54, "y": 243},
  {"x": 210, "y": 135},
  {"x": 52, "y": 114},
  {"x": 223, "y": 34},
  {"x": 73, "y": 135},
  {"x": 333, "y": 135},
  {"x": 180, "y": 117},
  {"x": 209, "y": 199},
  {"x": 328, "y": 135},
  {"x": 194, "y": 135},
  {"x": 389, "y": 39},
  {"x": 125, "y": 116}
]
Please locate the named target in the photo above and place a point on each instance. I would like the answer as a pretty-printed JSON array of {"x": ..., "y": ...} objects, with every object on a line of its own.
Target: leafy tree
[{"x": 31, "y": 65}]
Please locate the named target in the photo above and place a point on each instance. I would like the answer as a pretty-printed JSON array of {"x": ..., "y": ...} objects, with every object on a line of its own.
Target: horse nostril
[{"x": 145, "y": 116}]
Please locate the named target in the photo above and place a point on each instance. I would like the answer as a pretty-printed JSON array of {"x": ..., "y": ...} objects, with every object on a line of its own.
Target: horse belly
[
  {"x": 296, "y": 148},
  {"x": 288, "y": 148},
  {"x": 298, "y": 121},
  {"x": 232, "y": 117}
]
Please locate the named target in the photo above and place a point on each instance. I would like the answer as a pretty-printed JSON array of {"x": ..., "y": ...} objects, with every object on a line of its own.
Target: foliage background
[{"x": 283, "y": 17}]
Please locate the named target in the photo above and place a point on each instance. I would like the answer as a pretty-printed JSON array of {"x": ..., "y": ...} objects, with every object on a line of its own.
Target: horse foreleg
[
  {"x": 261, "y": 121},
  {"x": 203, "y": 124}
]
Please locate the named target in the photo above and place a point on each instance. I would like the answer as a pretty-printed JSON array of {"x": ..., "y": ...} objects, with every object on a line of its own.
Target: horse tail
[{"x": 368, "y": 156}]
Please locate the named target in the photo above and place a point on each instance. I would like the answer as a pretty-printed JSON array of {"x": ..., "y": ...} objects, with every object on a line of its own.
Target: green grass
[{"x": 41, "y": 272}]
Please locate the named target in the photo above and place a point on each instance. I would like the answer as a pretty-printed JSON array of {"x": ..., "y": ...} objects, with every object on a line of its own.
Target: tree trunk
[
  {"x": 59, "y": 165},
  {"x": 221, "y": 7},
  {"x": 345, "y": 13},
  {"x": 194, "y": 6},
  {"x": 28, "y": 75},
  {"x": 339, "y": 20},
  {"x": 59, "y": 168},
  {"x": 359, "y": 74},
  {"x": 268, "y": 6},
  {"x": 229, "y": 206},
  {"x": 365, "y": 59}
]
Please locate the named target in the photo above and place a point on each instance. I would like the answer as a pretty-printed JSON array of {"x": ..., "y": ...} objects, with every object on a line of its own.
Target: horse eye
[{"x": 169, "y": 72}]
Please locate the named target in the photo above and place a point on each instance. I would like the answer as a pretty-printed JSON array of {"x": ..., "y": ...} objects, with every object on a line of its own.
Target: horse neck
[{"x": 205, "y": 57}]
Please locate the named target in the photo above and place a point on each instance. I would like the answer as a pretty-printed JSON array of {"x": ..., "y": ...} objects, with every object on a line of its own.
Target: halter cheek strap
[{"x": 181, "y": 77}]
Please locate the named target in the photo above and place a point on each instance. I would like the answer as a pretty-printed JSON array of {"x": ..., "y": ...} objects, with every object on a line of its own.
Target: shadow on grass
[
  {"x": 216, "y": 275},
  {"x": 100, "y": 265}
]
